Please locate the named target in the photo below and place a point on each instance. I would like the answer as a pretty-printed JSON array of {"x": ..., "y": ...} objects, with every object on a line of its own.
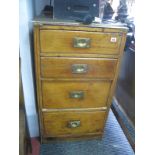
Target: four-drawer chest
[{"x": 76, "y": 70}]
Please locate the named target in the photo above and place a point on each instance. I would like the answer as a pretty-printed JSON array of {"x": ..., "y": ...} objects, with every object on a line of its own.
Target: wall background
[{"x": 27, "y": 10}]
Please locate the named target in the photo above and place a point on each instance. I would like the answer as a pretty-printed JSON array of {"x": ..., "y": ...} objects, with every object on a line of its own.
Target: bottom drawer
[{"x": 57, "y": 124}]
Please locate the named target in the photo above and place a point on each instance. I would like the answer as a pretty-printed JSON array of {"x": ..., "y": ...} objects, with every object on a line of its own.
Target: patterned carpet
[{"x": 113, "y": 143}]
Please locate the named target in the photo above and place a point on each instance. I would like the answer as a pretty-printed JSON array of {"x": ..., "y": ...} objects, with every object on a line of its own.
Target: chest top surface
[{"x": 44, "y": 21}]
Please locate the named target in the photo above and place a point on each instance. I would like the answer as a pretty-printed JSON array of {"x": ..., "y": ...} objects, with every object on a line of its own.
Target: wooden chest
[{"x": 76, "y": 71}]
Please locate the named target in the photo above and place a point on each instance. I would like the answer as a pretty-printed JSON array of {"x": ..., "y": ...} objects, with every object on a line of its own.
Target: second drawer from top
[{"x": 69, "y": 67}]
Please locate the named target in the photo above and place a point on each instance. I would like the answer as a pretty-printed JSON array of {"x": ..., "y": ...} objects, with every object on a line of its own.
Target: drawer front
[
  {"x": 77, "y": 67},
  {"x": 73, "y": 123},
  {"x": 75, "y": 94},
  {"x": 62, "y": 41}
]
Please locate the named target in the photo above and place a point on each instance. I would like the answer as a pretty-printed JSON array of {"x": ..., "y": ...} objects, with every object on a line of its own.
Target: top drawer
[{"x": 63, "y": 41}]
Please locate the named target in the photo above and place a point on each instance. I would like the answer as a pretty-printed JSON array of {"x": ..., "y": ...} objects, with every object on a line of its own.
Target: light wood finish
[
  {"x": 72, "y": 28},
  {"x": 56, "y": 94},
  {"x": 81, "y": 27},
  {"x": 75, "y": 109},
  {"x": 54, "y": 56},
  {"x": 76, "y": 55},
  {"x": 90, "y": 122},
  {"x": 53, "y": 67},
  {"x": 61, "y": 41},
  {"x": 113, "y": 86}
]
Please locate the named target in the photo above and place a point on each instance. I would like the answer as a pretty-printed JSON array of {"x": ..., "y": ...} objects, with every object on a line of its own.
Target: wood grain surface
[
  {"x": 56, "y": 94},
  {"x": 56, "y": 124},
  {"x": 55, "y": 55},
  {"x": 61, "y": 41},
  {"x": 54, "y": 67}
]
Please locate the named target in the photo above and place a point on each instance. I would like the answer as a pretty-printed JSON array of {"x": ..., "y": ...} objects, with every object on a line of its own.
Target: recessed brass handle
[
  {"x": 74, "y": 124},
  {"x": 81, "y": 42},
  {"x": 76, "y": 94},
  {"x": 79, "y": 68}
]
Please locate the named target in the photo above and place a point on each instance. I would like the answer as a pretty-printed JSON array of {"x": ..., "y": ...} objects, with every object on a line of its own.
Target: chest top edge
[{"x": 70, "y": 25}]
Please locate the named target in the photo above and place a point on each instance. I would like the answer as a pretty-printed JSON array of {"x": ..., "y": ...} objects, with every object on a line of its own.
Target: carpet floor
[{"x": 113, "y": 142}]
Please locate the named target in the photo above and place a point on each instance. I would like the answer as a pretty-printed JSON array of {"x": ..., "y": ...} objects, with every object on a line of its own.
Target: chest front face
[{"x": 76, "y": 71}]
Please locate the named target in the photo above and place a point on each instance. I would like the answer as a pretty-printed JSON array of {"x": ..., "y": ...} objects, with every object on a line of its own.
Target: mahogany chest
[{"x": 76, "y": 70}]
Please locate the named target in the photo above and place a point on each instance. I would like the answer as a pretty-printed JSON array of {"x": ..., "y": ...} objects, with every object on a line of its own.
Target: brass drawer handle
[
  {"x": 76, "y": 94},
  {"x": 81, "y": 42},
  {"x": 79, "y": 68},
  {"x": 74, "y": 124}
]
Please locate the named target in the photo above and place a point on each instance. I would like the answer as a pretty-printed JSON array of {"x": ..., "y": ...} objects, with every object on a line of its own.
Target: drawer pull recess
[
  {"x": 81, "y": 42},
  {"x": 74, "y": 124},
  {"x": 76, "y": 94},
  {"x": 79, "y": 68}
]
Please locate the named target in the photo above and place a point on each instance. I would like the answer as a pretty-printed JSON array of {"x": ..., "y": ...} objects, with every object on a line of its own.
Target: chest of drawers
[{"x": 76, "y": 70}]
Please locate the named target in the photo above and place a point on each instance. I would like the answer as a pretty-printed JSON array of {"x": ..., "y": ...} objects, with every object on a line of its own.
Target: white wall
[{"x": 27, "y": 10}]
